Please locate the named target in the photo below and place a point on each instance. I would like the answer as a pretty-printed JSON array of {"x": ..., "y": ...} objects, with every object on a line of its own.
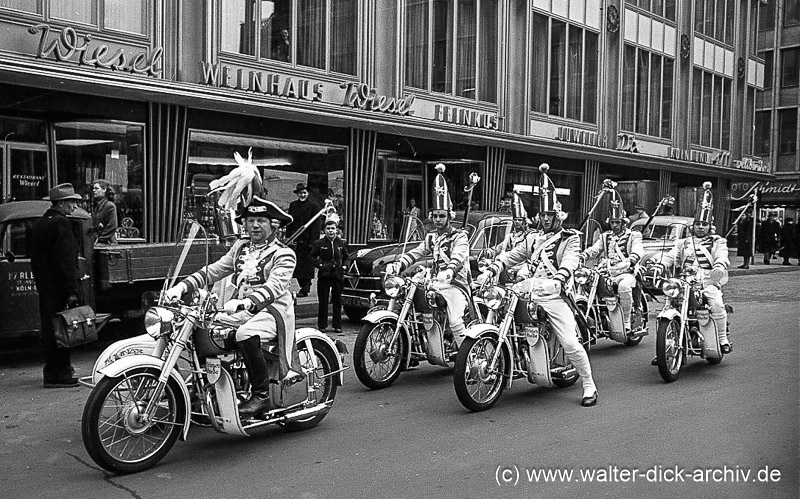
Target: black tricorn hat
[
  {"x": 262, "y": 208},
  {"x": 300, "y": 187}
]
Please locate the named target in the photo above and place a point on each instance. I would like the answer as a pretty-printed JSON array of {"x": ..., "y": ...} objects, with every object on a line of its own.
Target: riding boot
[
  {"x": 581, "y": 362},
  {"x": 259, "y": 379}
]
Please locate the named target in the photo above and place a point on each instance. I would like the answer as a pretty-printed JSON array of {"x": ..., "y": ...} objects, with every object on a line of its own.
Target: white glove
[
  {"x": 621, "y": 267},
  {"x": 393, "y": 268},
  {"x": 233, "y": 306},
  {"x": 175, "y": 292},
  {"x": 445, "y": 276}
]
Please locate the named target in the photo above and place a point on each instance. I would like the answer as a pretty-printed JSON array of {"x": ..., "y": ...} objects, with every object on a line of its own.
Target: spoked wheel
[
  {"x": 632, "y": 342},
  {"x": 116, "y": 431},
  {"x": 318, "y": 361},
  {"x": 587, "y": 337},
  {"x": 669, "y": 351},
  {"x": 477, "y": 386},
  {"x": 376, "y": 364}
]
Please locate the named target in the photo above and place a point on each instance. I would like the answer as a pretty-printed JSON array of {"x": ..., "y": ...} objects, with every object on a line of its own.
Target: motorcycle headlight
[
  {"x": 582, "y": 275},
  {"x": 158, "y": 321},
  {"x": 392, "y": 286},
  {"x": 493, "y": 297},
  {"x": 671, "y": 288}
]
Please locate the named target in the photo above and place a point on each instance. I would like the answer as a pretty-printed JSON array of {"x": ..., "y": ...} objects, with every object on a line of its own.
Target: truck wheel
[{"x": 355, "y": 314}]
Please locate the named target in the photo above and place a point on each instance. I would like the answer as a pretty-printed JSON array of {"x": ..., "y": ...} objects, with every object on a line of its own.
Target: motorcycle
[
  {"x": 597, "y": 297},
  {"x": 685, "y": 326},
  {"x": 148, "y": 391},
  {"x": 517, "y": 340},
  {"x": 392, "y": 340}
]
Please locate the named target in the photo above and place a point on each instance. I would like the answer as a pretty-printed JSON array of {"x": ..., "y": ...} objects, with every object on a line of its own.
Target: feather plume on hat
[{"x": 244, "y": 181}]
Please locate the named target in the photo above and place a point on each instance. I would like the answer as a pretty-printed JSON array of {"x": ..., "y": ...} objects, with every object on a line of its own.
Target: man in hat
[
  {"x": 521, "y": 210},
  {"x": 302, "y": 210},
  {"x": 262, "y": 303},
  {"x": 638, "y": 212},
  {"x": 54, "y": 261},
  {"x": 331, "y": 258},
  {"x": 553, "y": 255},
  {"x": 450, "y": 250},
  {"x": 708, "y": 253},
  {"x": 622, "y": 249}
]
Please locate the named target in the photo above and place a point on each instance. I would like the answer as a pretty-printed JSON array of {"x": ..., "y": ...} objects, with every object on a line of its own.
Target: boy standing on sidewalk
[{"x": 330, "y": 256}]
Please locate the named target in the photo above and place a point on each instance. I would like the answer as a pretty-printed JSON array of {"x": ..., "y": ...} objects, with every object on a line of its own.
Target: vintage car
[
  {"x": 363, "y": 280},
  {"x": 660, "y": 234}
]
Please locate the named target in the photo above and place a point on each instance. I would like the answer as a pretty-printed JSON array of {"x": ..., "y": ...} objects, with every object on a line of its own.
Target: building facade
[
  {"x": 777, "y": 110},
  {"x": 360, "y": 99}
]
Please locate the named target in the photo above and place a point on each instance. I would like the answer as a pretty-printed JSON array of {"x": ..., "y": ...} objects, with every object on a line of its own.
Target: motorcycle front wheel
[
  {"x": 376, "y": 365},
  {"x": 478, "y": 387},
  {"x": 669, "y": 351},
  {"x": 319, "y": 360},
  {"x": 113, "y": 429}
]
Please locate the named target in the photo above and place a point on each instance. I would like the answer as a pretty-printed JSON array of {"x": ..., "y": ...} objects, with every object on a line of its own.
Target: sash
[{"x": 543, "y": 259}]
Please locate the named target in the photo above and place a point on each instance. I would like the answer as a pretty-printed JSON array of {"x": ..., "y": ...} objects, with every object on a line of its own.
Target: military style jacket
[
  {"x": 450, "y": 250},
  {"x": 551, "y": 255},
  {"x": 627, "y": 245},
  {"x": 330, "y": 256},
  {"x": 705, "y": 253}
]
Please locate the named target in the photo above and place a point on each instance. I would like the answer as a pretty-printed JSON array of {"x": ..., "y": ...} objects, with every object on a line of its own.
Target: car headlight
[
  {"x": 493, "y": 297},
  {"x": 392, "y": 286},
  {"x": 158, "y": 321},
  {"x": 582, "y": 275},
  {"x": 671, "y": 287}
]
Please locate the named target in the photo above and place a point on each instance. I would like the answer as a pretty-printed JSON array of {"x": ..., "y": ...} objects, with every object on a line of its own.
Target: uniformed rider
[
  {"x": 708, "y": 254},
  {"x": 520, "y": 230},
  {"x": 621, "y": 248},
  {"x": 262, "y": 303},
  {"x": 553, "y": 255},
  {"x": 449, "y": 248}
]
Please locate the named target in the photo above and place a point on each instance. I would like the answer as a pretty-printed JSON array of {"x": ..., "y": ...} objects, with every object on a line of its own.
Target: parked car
[
  {"x": 363, "y": 281},
  {"x": 661, "y": 234}
]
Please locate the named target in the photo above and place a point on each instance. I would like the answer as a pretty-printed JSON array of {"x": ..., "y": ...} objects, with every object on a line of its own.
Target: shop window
[
  {"x": 282, "y": 165},
  {"x": 790, "y": 67},
  {"x": 119, "y": 15},
  {"x": 787, "y": 123},
  {"x": 647, "y": 92},
  {"x": 88, "y": 151},
  {"x": 320, "y": 34},
  {"x": 762, "y": 135},
  {"x": 462, "y": 38}
]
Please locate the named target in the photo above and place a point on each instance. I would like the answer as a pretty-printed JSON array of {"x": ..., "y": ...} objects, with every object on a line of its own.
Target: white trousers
[
  {"x": 718, "y": 312},
  {"x": 625, "y": 284},
  {"x": 456, "y": 304}
]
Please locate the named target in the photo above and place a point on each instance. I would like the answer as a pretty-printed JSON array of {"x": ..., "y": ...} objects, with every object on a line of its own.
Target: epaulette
[{"x": 566, "y": 233}]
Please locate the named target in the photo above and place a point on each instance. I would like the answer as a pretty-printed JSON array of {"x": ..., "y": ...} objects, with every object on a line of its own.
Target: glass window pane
[
  {"x": 791, "y": 12},
  {"x": 442, "y": 46},
  {"x": 697, "y": 112},
  {"x": 719, "y": 27},
  {"x": 276, "y": 31},
  {"x": 344, "y": 28},
  {"x": 716, "y": 112},
  {"x": 768, "y": 67},
  {"x": 669, "y": 9},
  {"x": 125, "y": 15},
  {"x": 788, "y": 130},
  {"x": 28, "y": 175},
  {"x": 657, "y": 7},
  {"x": 698, "y": 15},
  {"x": 642, "y": 90},
  {"x": 590, "y": 78},
  {"x": 311, "y": 33},
  {"x": 23, "y": 5},
  {"x": 238, "y": 27},
  {"x": 766, "y": 20},
  {"x": 762, "y": 145},
  {"x": 82, "y": 11},
  {"x": 575, "y": 72},
  {"x": 730, "y": 25},
  {"x": 417, "y": 44},
  {"x": 629, "y": 88},
  {"x": 558, "y": 49},
  {"x": 726, "y": 114},
  {"x": 790, "y": 67},
  {"x": 705, "y": 131},
  {"x": 655, "y": 95},
  {"x": 749, "y": 111},
  {"x": 88, "y": 151},
  {"x": 488, "y": 51},
  {"x": 539, "y": 51},
  {"x": 708, "y": 24},
  {"x": 666, "y": 100},
  {"x": 466, "y": 48}
]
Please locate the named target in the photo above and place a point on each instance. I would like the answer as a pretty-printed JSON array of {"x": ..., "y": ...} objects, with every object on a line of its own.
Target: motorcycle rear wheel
[
  {"x": 113, "y": 435},
  {"x": 376, "y": 367},
  {"x": 322, "y": 360},
  {"x": 476, "y": 388},
  {"x": 632, "y": 342},
  {"x": 669, "y": 354}
]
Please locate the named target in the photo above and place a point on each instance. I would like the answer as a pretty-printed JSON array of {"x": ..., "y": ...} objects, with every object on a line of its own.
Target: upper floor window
[
  {"x": 451, "y": 47},
  {"x": 787, "y": 129},
  {"x": 791, "y": 12},
  {"x": 761, "y": 144},
  {"x": 564, "y": 59},
  {"x": 663, "y": 8},
  {"x": 715, "y": 19},
  {"x": 647, "y": 92},
  {"x": 767, "y": 19},
  {"x": 320, "y": 34},
  {"x": 790, "y": 67},
  {"x": 119, "y": 15},
  {"x": 711, "y": 110},
  {"x": 768, "y": 67}
]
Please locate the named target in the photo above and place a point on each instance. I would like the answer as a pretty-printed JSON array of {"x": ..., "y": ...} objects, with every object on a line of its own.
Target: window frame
[
  {"x": 784, "y": 72},
  {"x": 634, "y": 115},
  {"x": 710, "y": 99},
  {"x": 44, "y": 14}
]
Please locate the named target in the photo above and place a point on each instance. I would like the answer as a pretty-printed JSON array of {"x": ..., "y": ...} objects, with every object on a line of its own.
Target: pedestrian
[
  {"x": 413, "y": 209},
  {"x": 505, "y": 203},
  {"x": 744, "y": 238},
  {"x": 788, "y": 237},
  {"x": 54, "y": 261},
  {"x": 104, "y": 212},
  {"x": 331, "y": 258},
  {"x": 302, "y": 211},
  {"x": 769, "y": 237},
  {"x": 638, "y": 213}
]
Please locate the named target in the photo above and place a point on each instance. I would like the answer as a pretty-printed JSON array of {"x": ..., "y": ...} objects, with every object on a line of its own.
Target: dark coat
[
  {"x": 769, "y": 235},
  {"x": 104, "y": 220},
  {"x": 330, "y": 257},
  {"x": 302, "y": 212},
  {"x": 54, "y": 260},
  {"x": 788, "y": 240},
  {"x": 744, "y": 238}
]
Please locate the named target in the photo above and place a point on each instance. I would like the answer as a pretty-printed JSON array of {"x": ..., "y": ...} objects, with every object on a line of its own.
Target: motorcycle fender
[
  {"x": 669, "y": 314},
  {"x": 480, "y": 330},
  {"x": 310, "y": 333},
  {"x": 435, "y": 345},
  {"x": 138, "y": 345},
  {"x": 539, "y": 365},
  {"x": 129, "y": 362},
  {"x": 376, "y": 316},
  {"x": 228, "y": 419},
  {"x": 711, "y": 348},
  {"x": 616, "y": 325}
]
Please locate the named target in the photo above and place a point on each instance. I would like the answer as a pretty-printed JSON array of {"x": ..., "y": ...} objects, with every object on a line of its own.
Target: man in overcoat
[{"x": 302, "y": 210}]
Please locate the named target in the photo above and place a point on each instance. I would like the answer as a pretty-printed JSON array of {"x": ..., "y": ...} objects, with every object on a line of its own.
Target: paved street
[{"x": 738, "y": 421}]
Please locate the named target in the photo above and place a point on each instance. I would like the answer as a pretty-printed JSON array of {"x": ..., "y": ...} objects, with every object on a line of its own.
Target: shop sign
[
  {"x": 464, "y": 117},
  {"x": 361, "y": 96},
  {"x": 217, "y": 75},
  {"x": 627, "y": 142},
  {"x": 69, "y": 42},
  {"x": 716, "y": 158},
  {"x": 766, "y": 190},
  {"x": 27, "y": 181},
  {"x": 578, "y": 136},
  {"x": 752, "y": 164}
]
